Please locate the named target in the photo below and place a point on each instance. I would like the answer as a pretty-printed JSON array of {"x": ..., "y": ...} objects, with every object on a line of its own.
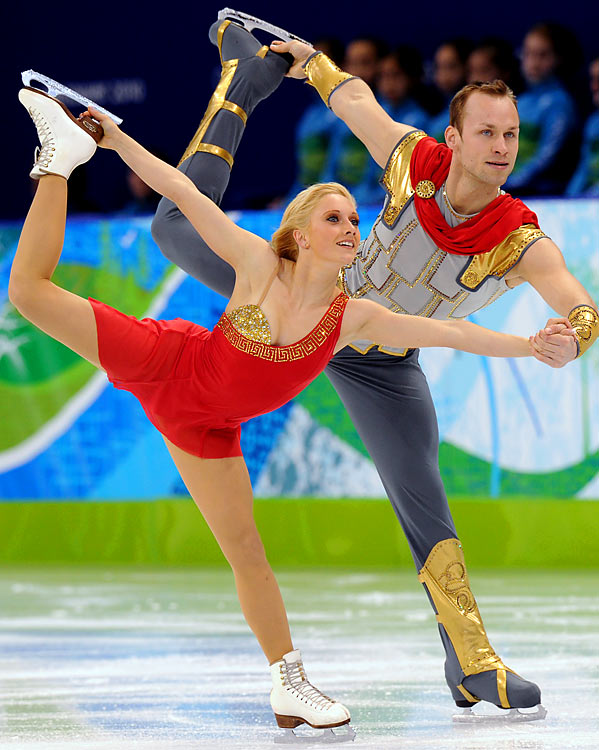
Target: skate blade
[
  {"x": 509, "y": 716},
  {"x": 327, "y": 736},
  {"x": 55, "y": 89},
  {"x": 251, "y": 22}
]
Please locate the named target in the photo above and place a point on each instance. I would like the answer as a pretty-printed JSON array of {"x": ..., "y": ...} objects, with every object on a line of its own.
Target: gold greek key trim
[
  {"x": 502, "y": 688},
  {"x": 446, "y": 579},
  {"x": 501, "y": 259},
  {"x": 214, "y": 105},
  {"x": 396, "y": 178},
  {"x": 276, "y": 354},
  {"x": 585, "y": 322},
  {"x": 324, "y": 75}
]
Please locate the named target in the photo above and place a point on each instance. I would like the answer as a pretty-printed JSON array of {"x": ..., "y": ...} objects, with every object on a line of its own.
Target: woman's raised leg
[{"x": 66, "y": 317}]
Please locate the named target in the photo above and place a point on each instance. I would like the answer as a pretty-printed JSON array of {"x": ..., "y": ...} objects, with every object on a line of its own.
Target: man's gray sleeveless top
[{"x": 399, "y": 266}]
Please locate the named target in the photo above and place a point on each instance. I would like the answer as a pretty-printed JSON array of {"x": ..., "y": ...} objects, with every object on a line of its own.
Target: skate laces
[
  {"x": 46, "y": 136},
  {"x": 297, "y": 681}
]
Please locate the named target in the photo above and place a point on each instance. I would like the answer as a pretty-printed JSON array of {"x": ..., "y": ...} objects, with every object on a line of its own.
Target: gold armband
[
  {"x": 585, "y": 321},
  {"x": 324, "y": 75}
]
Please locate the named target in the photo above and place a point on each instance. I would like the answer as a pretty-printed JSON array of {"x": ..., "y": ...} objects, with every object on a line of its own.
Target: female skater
[{"x": 284, "y": 321}]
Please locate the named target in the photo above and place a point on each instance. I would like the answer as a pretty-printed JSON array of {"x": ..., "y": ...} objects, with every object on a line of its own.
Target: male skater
[{"x": 426, "y": 255}]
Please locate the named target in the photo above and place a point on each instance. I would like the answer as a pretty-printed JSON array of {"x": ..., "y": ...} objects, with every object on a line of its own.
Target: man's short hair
[{"x": 458, "y": 103}]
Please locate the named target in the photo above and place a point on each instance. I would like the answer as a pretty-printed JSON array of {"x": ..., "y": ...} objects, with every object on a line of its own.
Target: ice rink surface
[{"x": 121, "y": 659}]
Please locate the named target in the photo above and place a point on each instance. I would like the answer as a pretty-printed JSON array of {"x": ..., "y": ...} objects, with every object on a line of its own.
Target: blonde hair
[{"x": 297, "y": 216}]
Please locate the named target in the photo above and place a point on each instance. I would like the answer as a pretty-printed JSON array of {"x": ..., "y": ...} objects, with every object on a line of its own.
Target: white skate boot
[
  {"x": 65, "y": 142},
  {"x": 295, "y": 701}
]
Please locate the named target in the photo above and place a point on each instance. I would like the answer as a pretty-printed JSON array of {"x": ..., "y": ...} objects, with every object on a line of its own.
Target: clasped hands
[{"x": 556, "y": 344}]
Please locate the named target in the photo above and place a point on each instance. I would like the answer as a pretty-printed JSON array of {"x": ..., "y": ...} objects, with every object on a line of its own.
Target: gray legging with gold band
[{"x": 387, "y": 399}]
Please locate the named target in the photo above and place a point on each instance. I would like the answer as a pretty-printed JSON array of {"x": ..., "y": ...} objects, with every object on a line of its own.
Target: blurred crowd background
[{"x": 293, "y": 140}]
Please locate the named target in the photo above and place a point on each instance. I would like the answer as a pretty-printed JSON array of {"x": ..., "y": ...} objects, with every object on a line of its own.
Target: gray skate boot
[
  {"x": 474, "y": 672},
  {"x": 250, "y": 73}
]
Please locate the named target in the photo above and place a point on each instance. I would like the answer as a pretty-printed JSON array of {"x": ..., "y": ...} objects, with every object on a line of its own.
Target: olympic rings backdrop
[{"x": 513, "y": 429}]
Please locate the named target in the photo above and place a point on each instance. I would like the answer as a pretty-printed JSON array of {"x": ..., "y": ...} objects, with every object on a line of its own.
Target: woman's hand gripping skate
[{"x": 112, "y": 132}]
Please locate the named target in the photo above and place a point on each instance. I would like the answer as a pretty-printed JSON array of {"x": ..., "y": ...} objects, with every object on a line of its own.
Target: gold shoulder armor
[
  {"x": 585, "y": 322},
  {"x": 396, "y": 179},
  {"x": 502, "y": 258},
  {"x": 324, "y": 75}
]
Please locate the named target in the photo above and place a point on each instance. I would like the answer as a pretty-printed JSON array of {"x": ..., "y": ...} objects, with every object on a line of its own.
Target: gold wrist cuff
[
  {"x": 585, "y": 322},
  {"x": 324, "y": 75}
]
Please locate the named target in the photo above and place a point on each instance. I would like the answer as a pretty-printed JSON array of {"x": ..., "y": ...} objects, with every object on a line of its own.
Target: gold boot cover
[
  {"x": 216, "y": 103},
  {"x": 444, "y": 575}
]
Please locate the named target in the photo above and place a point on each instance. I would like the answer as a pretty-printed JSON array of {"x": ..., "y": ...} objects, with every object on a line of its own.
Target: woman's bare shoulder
[
  {"x": 260, "y": 264},
  {"x": 358, "y": 310}
]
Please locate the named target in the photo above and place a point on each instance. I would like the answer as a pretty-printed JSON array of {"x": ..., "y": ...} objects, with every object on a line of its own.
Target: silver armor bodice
[{"x": 399, "y": 266}]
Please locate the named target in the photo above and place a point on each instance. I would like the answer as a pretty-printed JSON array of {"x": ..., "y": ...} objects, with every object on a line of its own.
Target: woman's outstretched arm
[
  {"x": 372, "y": 322},
  {"x": 222, "y": 235}
]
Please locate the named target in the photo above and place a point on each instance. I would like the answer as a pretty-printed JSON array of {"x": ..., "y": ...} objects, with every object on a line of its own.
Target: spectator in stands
[
  {"x": 142, "y": 199},
  {"x": 493, "y": 58},
  {"x": 547, "y": 115},
  {"x": 349, "y": 161},
  {"x": 398, "y": 80},
  {"x": 362, "y": 58},
  {"x": 449, "y": 76},
  {"x": 315, "y": 130},
  {"x": 586, "y": 178}
]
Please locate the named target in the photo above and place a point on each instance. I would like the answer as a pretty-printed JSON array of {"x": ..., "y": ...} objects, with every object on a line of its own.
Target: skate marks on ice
[{"x": 155, "y": 659}]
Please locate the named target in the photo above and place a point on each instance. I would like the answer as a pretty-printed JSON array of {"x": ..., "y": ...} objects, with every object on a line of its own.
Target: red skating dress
[{"x": 197, "y": 386}]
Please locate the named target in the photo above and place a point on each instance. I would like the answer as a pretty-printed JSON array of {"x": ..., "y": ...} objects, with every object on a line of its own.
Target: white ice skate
[
  {"x": 33, "y": 79},
  {"x": 251, "y": 22},
  {"x": 65, "y": 142},
  {"x": 295, "y": 701}
]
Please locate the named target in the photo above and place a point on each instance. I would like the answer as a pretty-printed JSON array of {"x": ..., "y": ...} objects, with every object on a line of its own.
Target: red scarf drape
[{"x": 480, "y": 234}]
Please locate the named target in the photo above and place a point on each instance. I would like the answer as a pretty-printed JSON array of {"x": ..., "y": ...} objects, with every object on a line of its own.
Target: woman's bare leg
[
  {"x": 65, "y": 316},
  {"x": 222, "y": 491}
]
